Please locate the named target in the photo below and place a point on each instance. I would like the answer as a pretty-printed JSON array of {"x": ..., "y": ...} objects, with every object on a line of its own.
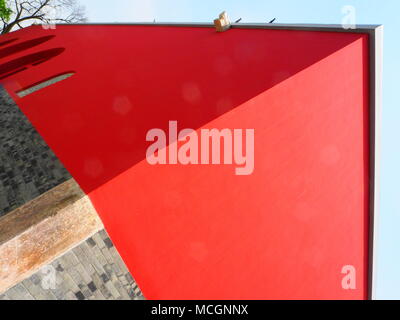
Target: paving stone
[
  {"x": 84, "y": 260},
  {"x": 70, "y": 296},
  {"x": 100, "y": 286},
  {"x": 91, "y": 257},
  {"x": 79, "y": 295},
  {"x": 87, "y": 293},
  {"x": 106, "y": 253},
  {"x": 97, "y": 295},
  {"x": 90, "y": 242},
  {"x": 99, "y": 256},
  {"x": 38, "y": 292},
  {"x": 137, "y": 291},
  {"x": 109, "y": 270},
  {"x": 59, "y": 266},
  {"x": 120, "y": 288},
  {"x": 117, "y": 258},
  {"x": 108, "y": 243},
  {"x": 110, "y": 286},
  {"x": 103, "y": 234},
  {"x": 99, "y": 241},
  {"x": 69, "y": 259},
  {"x": 60, "y": 292},
  {"x": 35, "y": 278},
  {"x": 122, "y": 279},
  {"x": 104, "y": 277},
  {"x": 70, "y": 283},
  {"x": 132, "y": 293},
  {"x": 85, "y": 272},
  {"x": 92, "y": 286},
  {"x": 129, "y": 277},
  {"x": 19, "y": 292}
]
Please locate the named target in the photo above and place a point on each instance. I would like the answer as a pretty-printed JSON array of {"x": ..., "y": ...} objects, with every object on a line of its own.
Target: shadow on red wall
[
  {"x": 20, "y": 64},
  {"x": 22, "y": 45},
  {"x": 139, "y": 78}
]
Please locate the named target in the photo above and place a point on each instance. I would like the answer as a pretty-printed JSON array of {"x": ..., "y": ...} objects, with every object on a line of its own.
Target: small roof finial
[{"x": 222, "y": 23}]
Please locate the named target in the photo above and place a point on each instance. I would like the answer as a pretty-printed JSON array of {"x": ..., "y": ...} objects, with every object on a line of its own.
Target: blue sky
[{"x": 384, "y": 12}]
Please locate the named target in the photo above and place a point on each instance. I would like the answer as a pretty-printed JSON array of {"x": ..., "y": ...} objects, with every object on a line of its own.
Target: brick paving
[{"x": 91, "y": 271}]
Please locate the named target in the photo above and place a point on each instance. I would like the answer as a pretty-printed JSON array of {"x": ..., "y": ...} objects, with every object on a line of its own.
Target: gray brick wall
[{"x": 28, "y": 167}]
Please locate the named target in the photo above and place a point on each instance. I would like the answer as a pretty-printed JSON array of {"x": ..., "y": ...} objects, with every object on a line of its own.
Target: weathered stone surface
[{"x": 43, "y": 229}]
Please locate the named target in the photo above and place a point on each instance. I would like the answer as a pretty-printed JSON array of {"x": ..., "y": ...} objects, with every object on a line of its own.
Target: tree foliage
[
  {"x": 5, "y": 12},
  {"x": 21, "y": 13}
]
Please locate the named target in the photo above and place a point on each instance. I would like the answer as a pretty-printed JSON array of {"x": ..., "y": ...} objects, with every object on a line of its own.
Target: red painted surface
[{"x": 199, "y": 231}]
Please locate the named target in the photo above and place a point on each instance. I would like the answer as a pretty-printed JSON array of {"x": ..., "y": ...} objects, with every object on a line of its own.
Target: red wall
[{"x": 200, "y": 231}]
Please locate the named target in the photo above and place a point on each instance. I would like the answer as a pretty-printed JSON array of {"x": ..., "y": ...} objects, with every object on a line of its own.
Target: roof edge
[{"x": 294, "y": 26}]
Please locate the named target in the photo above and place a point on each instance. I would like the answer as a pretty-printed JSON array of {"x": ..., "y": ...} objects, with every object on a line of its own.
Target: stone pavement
[{"x": 91, "y": 271}]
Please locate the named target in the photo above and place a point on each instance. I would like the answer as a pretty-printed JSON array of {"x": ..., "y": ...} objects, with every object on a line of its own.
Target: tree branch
[{"x": 24, "y": 10}]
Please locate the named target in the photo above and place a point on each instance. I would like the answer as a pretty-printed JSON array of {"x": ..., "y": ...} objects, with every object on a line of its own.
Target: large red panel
[{"x": 200, "y": 231}]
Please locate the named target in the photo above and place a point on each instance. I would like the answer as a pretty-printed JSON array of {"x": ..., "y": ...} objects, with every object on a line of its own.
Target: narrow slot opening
[{"x": 43, "y": 84}]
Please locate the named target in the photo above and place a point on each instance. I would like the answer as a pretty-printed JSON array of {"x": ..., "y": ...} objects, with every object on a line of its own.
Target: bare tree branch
[{"x": 46, "y": 11}]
